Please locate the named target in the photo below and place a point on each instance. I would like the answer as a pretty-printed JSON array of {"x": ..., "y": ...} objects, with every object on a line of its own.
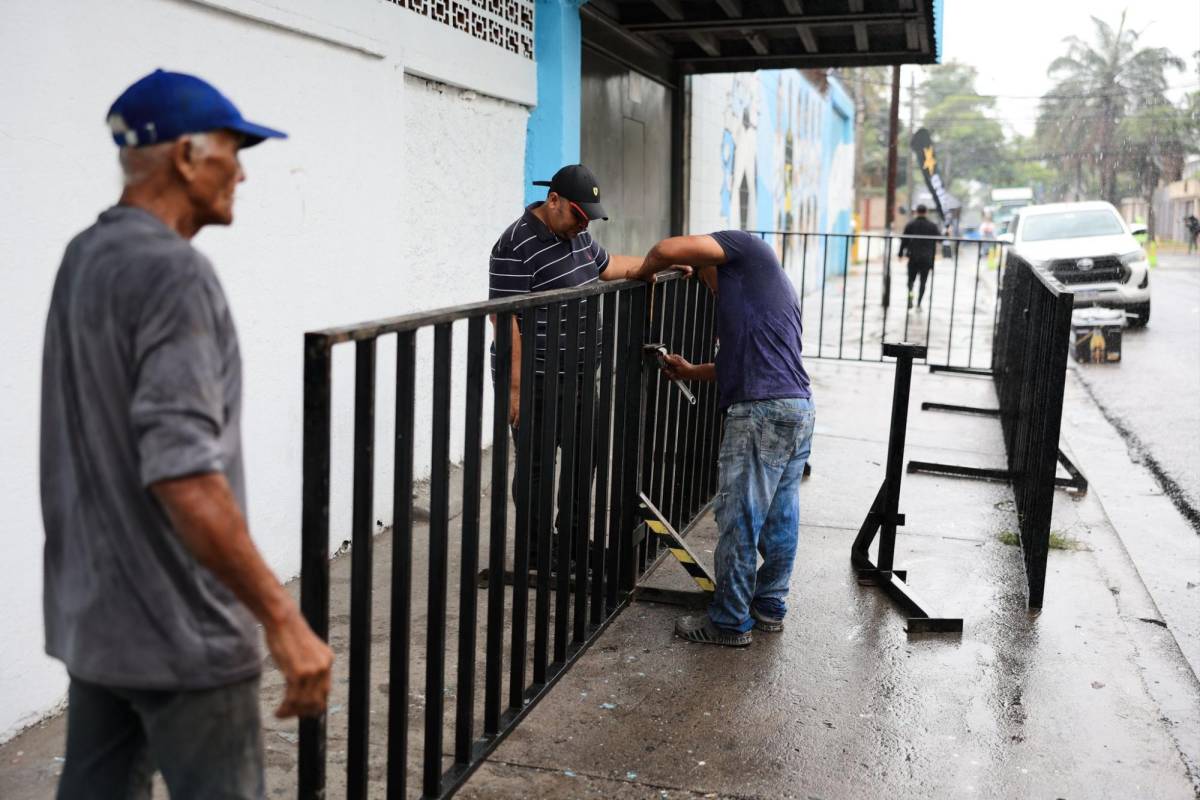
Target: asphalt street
[{"x": 1153, "y": 395}]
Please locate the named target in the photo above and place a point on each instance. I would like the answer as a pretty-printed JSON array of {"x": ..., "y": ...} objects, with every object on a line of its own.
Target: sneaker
[
  {"x": 766, "y": 623},
  {"x": 701, "y": 629}
]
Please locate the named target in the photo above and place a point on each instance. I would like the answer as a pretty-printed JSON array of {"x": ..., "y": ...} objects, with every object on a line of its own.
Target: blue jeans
[{"x": 763, "y": 451}]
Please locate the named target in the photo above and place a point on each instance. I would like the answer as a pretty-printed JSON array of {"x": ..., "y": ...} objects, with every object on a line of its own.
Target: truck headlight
[{"x": 1129, "y": 261}]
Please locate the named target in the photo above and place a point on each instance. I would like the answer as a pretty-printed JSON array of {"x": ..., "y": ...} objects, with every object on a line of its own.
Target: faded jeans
[
  {"x": 763, "y": 451},
  {"x": 206, "y": 743}
]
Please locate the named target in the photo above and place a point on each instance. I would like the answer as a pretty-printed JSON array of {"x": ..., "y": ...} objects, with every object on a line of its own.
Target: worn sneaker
[
  {"x": 766, "y": 623},
  {"x": 701, "y": 629}
]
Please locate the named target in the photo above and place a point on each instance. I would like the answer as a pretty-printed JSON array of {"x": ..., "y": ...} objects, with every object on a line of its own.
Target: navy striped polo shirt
[{"x": 528, "y": 257}]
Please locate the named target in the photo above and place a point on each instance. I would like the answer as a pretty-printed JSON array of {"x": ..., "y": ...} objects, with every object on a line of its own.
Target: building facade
[
  {"x": 773, "y": 151},
  {"x": 415, "y": 129}
]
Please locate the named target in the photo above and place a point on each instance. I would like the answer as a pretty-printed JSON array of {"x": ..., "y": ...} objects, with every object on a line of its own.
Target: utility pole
[
  {"x": 890, "y": 214},
  {"x": 912, "y": 104},
  {"x": 859, "y": 115}
]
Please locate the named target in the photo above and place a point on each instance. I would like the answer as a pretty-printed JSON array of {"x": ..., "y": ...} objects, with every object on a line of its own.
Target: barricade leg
[{"x": 884, "y": 516}]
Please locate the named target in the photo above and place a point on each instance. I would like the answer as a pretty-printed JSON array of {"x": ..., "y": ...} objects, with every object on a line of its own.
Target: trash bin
[{"x": 1096, "y": 335}]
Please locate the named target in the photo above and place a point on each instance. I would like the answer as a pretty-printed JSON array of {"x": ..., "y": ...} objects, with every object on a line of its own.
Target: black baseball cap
[{"x": 576, "y": 183}]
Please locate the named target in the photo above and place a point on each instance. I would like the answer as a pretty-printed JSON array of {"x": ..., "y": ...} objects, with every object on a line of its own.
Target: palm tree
[{"x": 1097, "y": 84}]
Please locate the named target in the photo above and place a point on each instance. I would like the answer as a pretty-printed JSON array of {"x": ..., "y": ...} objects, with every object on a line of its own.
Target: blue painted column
[{"x": 552, "y": 135}]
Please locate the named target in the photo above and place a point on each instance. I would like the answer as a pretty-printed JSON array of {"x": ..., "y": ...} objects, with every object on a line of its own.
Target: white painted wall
[{"x": 386, "y": 199}]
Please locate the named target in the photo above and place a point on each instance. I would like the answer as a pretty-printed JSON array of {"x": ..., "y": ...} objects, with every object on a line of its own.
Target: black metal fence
[
  {"x": 1029, "y": 367},
  {"x": 615, "y": 427},
  {"x": 1029, "y": 362},
  {"x": 854, "y": 296}
]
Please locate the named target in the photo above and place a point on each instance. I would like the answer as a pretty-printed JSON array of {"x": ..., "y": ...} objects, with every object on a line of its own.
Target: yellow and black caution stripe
[{"x": 659, "y": 526}]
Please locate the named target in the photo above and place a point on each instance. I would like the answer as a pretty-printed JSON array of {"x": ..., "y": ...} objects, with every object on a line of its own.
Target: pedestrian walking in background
[
  {"x": 550, "y": 247},
  {"x": 764, "y": 392},
  {"x": 152, "y": 582},
  {"x": 1193, "y": 229},
  {"x": 987, "y": 232},
  {"x": 920, "y": 252}
]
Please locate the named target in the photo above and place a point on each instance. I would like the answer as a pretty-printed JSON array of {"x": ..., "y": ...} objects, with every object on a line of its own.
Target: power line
[
  {"x": 977, "y": 95},
  {"x": 1152, "y": 114}
]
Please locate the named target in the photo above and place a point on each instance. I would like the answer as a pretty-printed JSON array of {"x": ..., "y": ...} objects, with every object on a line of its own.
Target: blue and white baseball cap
[{"x": 165, "y": 105}]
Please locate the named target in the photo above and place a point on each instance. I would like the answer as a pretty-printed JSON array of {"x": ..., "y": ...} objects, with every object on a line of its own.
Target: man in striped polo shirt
[{"x": 549, "y": 247}]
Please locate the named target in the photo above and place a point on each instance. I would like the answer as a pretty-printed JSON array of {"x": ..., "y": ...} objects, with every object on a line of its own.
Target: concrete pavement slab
[
  {"x": 844, "y": 703},
  {"x": 1079, "y": 700}
]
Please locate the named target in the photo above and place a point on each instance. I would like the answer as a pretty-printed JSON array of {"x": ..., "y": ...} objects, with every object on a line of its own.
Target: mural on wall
[{"x": 787, "y": 163}]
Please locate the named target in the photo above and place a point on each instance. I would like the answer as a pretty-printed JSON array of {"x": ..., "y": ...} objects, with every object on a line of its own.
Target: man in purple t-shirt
[{"x": 764, "y": 391}]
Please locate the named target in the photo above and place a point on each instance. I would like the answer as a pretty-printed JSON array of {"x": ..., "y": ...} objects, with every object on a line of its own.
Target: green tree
[
  {"x": 872, "y": 99},
  {"x": 970, "y": 141},
  {"x": 1098, "y": 83},
  {"x": 1154, "y": 143}
]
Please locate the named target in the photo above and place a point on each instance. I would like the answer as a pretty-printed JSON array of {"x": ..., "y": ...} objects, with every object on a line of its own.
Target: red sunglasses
[{"x": 578, "y": 212}]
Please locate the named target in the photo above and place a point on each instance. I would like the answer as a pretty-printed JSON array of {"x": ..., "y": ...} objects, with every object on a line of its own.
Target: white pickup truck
[{"x": 1089, "y": 249}]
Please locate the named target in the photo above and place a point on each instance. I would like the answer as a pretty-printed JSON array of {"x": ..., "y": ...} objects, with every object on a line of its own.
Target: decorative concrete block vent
[{"x": 504, "y": 23}]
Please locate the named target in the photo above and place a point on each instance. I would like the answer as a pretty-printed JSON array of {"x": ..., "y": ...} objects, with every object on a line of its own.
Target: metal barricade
[
  {"x": 1029, "y": 363},
  {"x": 849, "y": 311},
  {"x": 1029, "y": 367},
  {"x": 614, "y": 426}
]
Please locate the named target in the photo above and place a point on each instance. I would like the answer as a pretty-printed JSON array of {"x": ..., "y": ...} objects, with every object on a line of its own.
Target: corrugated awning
[{"x": 665, "y": 38}]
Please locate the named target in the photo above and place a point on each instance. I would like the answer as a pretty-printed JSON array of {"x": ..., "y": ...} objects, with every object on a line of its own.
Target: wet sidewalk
[
  {"x": 1091, "y": 697},
  {"x": 1084, "y": 699}
]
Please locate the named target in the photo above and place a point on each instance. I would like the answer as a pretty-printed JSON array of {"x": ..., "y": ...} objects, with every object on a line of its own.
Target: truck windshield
[{"x": 1071, "y": 225}]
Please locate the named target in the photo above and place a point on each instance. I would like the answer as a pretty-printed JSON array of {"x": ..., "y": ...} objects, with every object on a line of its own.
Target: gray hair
[{"x": 140, "y": 163}]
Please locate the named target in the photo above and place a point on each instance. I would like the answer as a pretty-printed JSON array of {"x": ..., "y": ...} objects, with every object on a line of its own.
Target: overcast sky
[{"x": 1012, "y": 43}]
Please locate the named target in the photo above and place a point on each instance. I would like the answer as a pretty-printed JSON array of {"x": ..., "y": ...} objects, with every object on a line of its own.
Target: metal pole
[{"x": 890, "y": 214}]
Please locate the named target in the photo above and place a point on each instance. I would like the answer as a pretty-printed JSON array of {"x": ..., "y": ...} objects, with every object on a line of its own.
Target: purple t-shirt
[{"x": 758, "y": 324}]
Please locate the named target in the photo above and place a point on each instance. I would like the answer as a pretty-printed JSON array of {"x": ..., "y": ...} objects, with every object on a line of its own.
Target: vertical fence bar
[
  {"x": 401, "y": 601},
  {"x": 1001, "y": 269},
  {"x": 524, "y": 511},
  {"x": 439, "y": 534},
  {"x": 707, "y": 401},
  {"x": 803, "y": 272},
  {"x": 499, "y": 523},
  {"x": 908, "y": 294},
  {"x": 895, "y": 461},
  {"x": 567, "y": 509},
  {"x": 464, "y": 723},
  {"x": 361, "y": 568},
  {"x": 887, "y": 291},
  {"x": 695, "y": 421},
  {"x": 692, "y": 430},
  {"x": 678, "y": 410},
  {"x": 548, "y": 421},
  {"x": 929, "y": 316},
  {"x": 633, "y": 428},
  {"x": 314, "y": 565},
  {"x": 974, "y": 307},
  {"x": 845, "y": 283},
  {"x": 672, "y": 465},
  {"x": 583, "y": 490},
  {"x": 619, "y": 454},
  {"x": 953, "y": 299},
  {"x": 659, "y": 394},
  {"x": 604, "y": 443},
  {"x": 824, "y": 281},
  {"x": 862, "y": 327}
]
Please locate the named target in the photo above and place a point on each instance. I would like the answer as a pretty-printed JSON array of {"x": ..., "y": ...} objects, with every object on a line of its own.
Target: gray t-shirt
[{"x": 141, "y": 382}]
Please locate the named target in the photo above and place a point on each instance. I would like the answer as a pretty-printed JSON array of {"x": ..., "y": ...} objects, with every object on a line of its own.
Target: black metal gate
[
  {"x": 845, "y": 283},
  {"x": 632, "y": 432}
]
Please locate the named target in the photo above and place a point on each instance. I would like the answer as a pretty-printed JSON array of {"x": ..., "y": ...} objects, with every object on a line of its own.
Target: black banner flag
[{"x": 922, "y": 147}]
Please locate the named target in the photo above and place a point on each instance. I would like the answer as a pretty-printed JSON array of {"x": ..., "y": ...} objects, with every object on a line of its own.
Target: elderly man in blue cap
[{"x": 152, "y": 582}]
